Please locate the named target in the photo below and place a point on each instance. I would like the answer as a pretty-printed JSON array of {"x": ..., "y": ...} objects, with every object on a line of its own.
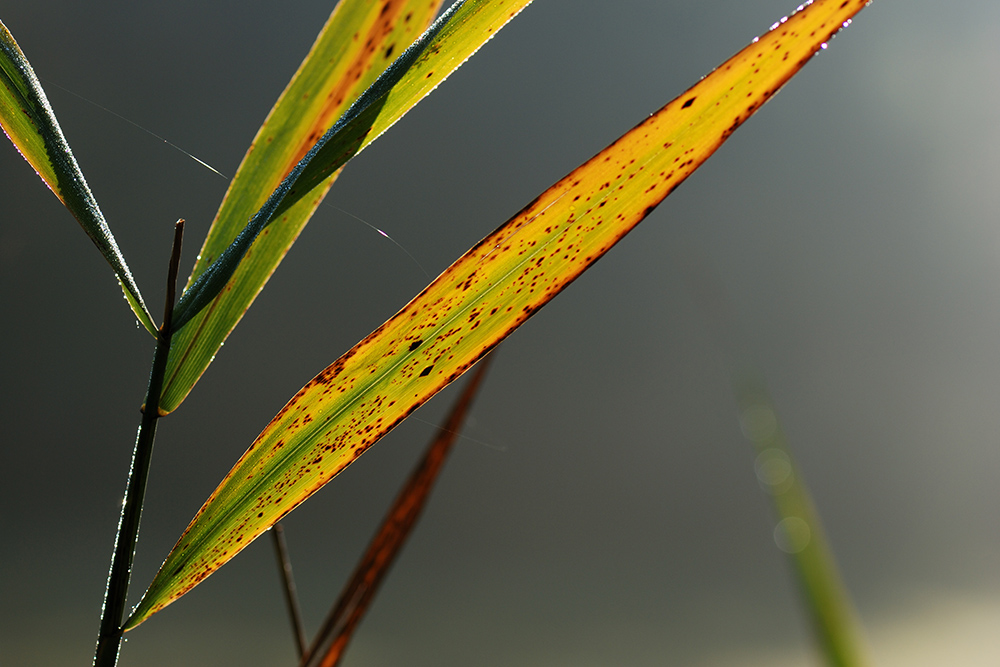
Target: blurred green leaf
[
  {"x": 799, "y": 532},
  {"x": 480, "y": 299},
  {"x": 31, "y": 125},
  {"x": 360, "y": 39}
]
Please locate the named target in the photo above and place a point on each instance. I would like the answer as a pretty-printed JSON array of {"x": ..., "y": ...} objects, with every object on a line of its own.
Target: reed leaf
[{"x": 29, "y": 122}]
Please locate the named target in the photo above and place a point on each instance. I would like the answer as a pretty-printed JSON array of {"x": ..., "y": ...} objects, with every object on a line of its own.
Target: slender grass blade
[{"x": 29, "y": 122}]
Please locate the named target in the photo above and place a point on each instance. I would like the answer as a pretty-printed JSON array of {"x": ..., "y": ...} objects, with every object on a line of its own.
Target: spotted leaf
[{"x": 482, "y": 298}]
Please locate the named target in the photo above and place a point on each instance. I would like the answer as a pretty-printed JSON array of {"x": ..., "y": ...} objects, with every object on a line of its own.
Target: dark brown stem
[
  {"x": 288, "y": 581},
  {"x": 172, "y": 269}
]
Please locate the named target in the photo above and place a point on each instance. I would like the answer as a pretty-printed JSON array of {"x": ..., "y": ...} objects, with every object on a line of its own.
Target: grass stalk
[
  {"x": 110, "y": 635},
  {"x": 288, "y": 586}
]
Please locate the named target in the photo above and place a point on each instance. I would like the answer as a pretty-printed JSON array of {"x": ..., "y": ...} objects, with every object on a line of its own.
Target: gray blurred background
[{"x": 603, "y": 508}]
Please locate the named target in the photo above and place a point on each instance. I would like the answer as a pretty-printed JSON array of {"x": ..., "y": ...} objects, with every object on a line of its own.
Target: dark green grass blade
[{"x": 29, "y": 122}]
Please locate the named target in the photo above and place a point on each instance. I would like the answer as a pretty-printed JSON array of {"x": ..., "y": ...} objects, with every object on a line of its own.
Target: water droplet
[
  {"x": 774, "y": 470},
  {"x": 792, "y": 535}
]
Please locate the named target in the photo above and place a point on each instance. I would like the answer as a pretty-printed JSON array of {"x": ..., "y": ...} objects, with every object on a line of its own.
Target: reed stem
[{"x": 110, "y": 635}]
